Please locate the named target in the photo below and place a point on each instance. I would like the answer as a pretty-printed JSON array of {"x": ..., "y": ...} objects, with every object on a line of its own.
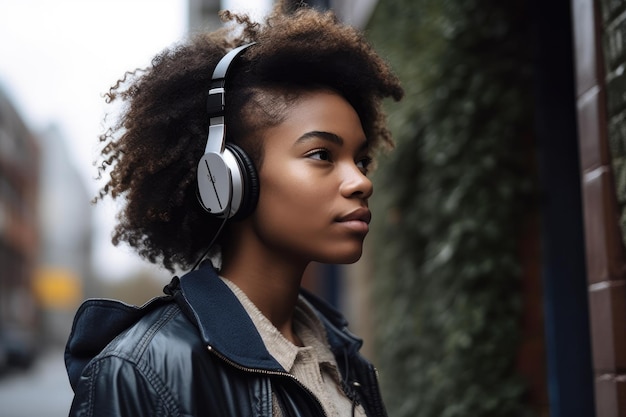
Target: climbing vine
[{"x": 447, "y": 265}]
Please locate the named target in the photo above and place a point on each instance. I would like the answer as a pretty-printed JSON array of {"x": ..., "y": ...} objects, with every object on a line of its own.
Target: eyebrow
[
  {"x": 316, "y": 134},
  {"x": 327, "y": 136}
]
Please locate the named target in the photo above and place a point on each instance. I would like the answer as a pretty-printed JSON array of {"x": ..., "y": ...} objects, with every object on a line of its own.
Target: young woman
[{"x": 293, "y": 117}]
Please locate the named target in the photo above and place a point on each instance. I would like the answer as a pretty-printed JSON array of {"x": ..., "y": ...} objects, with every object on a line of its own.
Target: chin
[{"x": 342, "y": 258}]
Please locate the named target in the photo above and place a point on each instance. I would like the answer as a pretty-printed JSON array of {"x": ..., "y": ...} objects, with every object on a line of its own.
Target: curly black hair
[{"x": 151, "y": 152}]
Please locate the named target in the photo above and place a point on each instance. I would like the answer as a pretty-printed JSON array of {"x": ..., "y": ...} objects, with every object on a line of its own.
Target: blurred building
[
  {"x": 203, "y": 13},
  {"x": 65, "y": 217},
  {"x": 45, "y": 234},
  {"x": 19, "y": 236}
]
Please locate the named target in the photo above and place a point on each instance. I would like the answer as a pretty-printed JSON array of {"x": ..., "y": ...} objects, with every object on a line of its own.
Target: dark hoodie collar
[{"x": 226, "y": 327}]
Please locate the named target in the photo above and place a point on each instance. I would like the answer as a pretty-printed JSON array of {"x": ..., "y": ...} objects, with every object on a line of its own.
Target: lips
[{"x": 361, "y": 214}]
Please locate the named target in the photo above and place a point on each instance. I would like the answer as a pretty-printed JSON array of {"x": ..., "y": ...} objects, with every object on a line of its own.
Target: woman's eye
[
  {"x": 320, "y": 154},
  {"x": 364, "y": 163}
]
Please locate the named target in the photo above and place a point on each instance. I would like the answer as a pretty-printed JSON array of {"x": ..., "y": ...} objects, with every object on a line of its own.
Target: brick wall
[{"x": 599, "y": 34}]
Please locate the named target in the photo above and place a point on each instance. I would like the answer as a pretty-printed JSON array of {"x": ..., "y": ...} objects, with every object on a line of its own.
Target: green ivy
[{"x": 454, "y": 190}]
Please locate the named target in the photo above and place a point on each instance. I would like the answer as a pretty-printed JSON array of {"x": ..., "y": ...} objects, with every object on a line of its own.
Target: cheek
[
  {"x": 295, "y": 215},
  {"x": 288, "y": 194},
  {"x": 293, "y": 200}
]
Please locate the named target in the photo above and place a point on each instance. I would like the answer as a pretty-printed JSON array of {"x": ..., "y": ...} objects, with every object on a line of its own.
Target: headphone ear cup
[{"x": 250, "y": 180}]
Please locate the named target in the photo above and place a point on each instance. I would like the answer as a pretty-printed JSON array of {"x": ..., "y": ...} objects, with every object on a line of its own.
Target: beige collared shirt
[{"x": 313, "y": 365}]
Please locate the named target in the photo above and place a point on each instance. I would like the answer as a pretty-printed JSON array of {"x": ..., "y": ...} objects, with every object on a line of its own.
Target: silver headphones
[{"x": 228, "y": 185}]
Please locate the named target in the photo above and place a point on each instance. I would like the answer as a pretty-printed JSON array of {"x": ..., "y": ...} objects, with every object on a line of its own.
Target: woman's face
[{"x": 313, "y": 188}]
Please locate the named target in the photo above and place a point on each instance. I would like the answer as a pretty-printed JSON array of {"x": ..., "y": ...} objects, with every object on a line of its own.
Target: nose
[{"x": 355, "y": 183}]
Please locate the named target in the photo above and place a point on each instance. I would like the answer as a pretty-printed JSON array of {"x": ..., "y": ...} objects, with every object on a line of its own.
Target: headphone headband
[{"x": 216, "y": 98}]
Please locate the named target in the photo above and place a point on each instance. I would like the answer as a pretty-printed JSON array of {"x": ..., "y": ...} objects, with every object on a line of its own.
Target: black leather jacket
[{"x": 196, "y": 352}]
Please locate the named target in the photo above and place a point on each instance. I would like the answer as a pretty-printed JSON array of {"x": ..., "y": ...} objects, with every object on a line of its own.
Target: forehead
[{"x": 319, "y": 111}]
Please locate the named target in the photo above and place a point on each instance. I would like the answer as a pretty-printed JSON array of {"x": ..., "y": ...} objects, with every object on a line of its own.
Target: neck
[{"x": 271, "y": 282}]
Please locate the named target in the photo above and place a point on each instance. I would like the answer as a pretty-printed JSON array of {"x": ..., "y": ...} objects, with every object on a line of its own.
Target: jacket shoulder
[
  {"x": 108, "y": 327},
  {"x": 164, "y": 330},
  {"x": 160, "y": 366},
  {"x": 146, "y": 363}
]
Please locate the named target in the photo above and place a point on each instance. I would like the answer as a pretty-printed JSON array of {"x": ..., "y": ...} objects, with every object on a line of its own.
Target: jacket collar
[
  {"x": 223, "y": 323},
  {"x": 225, "y": 326}
]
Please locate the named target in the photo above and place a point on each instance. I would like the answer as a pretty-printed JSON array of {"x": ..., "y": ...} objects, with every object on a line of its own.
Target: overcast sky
[{"x": 57, "y": 57}]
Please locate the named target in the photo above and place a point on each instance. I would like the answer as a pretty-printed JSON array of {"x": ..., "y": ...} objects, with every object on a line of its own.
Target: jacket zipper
[
  {"x": 380, "y": 408},
  {"x": 267, "y": 372}
]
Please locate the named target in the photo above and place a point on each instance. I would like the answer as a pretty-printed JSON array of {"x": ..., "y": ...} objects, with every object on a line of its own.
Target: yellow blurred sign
[{"x": 57, "y": 288}]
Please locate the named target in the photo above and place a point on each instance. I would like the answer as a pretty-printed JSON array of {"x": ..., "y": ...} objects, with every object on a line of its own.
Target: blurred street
[{"x": 42, "y": 390}]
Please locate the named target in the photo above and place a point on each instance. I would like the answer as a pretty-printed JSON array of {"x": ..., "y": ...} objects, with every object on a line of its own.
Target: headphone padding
[{"x": 250, "y": 182}]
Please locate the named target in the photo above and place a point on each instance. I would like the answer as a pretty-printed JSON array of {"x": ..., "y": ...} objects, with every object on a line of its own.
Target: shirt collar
[{"x": 307, "y": 326}]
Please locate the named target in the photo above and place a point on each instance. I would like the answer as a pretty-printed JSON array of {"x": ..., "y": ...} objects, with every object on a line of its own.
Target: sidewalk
[{"x": 43, "y": 390}]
